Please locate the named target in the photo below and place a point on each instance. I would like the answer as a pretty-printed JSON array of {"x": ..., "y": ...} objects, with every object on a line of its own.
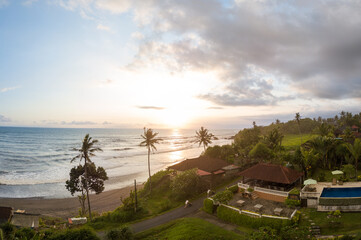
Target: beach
[{"x": 68, "y": 207}]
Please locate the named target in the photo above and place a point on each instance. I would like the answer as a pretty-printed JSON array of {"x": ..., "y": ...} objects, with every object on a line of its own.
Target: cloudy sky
[{"x": 169, "y": 63}]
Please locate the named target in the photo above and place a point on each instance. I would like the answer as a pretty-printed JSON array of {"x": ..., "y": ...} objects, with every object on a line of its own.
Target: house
[
  {"x": 208, "y": 168},
  {"x": 5, "y": 214},
  {"x": 271, "y": 181}
]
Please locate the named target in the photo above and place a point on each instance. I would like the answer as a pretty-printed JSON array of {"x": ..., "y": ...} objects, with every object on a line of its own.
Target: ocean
[{"x": 35, "y": 162}]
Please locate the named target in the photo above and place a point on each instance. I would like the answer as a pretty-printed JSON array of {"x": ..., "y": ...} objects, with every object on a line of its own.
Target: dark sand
[{"x": 68, "y": 207}]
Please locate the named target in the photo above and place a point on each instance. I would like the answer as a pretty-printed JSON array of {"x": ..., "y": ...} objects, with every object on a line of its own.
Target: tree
[
  {"x": 355, "y": 151},
  {"x": 261, "y": 151},
  {"x": 298, "y": 118},
  {"x": 149, "y": 142},
  {"x": 324, "y": 130},
  {"x": 309, "y": 157},
  {"x": 87, "y": 150},
  {"x": 77, "y": 182},
  {"x": 186, "y": 184},
  {"x": 204, "y": 137},
  {"x": 246, "y": 139},
  {"x": 274, "y": 139}
]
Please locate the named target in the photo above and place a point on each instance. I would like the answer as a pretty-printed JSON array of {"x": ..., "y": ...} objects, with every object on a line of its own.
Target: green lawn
[
  {"x": 348, "y": 223},
  {"x": 291, "y": 141},
  {"x": 188, "y": 228}
]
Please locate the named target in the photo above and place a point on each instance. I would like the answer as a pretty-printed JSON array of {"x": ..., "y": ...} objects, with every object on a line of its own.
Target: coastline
[{"x": 68, "y": 207}]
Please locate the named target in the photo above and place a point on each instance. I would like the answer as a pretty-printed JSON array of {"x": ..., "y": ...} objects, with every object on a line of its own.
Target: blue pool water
[{"x": 341, "y": 192}]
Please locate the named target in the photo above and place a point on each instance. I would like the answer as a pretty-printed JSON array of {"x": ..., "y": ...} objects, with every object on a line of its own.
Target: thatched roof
[
  {"x": 272, "y": 173},
  {"x": 25, "y": 220},
  {"x": 203, "y": 163}
]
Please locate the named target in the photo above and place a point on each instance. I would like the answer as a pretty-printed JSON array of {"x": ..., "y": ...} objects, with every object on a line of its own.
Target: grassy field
[
  {"x": 188, "y": 228},
  {"x": 348, "y": 223},
  {"x": 291, "y": 141}
]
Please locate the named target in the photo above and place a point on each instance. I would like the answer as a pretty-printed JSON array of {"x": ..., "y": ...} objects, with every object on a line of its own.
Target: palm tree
[
  {"x": 204, "y": 137},
  {"x": 149, "y": 141},
  {"x": 308, "y": 159},
  {"x": 355, "y": 151},
  {"x": 87, "y": 150},
  {"x": 298, "y": 118}
]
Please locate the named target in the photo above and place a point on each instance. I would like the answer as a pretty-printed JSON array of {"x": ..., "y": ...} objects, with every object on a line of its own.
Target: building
[{"x": 6, "y": 214}]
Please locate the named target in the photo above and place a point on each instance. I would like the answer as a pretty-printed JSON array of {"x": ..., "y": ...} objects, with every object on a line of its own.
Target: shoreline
[{"x": 68, "y": 207}]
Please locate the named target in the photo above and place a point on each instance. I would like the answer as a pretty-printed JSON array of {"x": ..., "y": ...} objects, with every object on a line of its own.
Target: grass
[
  {"x": 348, "y": 223},
  {"x": 188, "y": 228},
  {"x": 292, "y": 141}
]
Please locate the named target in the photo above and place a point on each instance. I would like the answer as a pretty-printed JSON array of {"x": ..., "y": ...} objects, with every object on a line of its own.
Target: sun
[{"x": 175, "y": 118}]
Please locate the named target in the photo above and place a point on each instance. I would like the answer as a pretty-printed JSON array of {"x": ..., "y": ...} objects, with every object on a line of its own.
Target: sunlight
[{"x": 175, "y": 118}]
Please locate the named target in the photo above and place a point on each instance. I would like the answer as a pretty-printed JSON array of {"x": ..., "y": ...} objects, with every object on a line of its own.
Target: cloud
[
  {"x": 216, "y": 108},
  {"x": 77, "y": 123},
  {"x": 137, "y": 35},
  {"x": 107, "y": 81},
  {"x": 114, "y": 6},
  {"x": 4, "y": 119},
  {"x": 103, "y": 28},
  {"x": 8, "y": 89},
  {"x": 106, "y": 123},
  {"x": 151, "y": 107},
  {"x": 3, "y": 3},
  {"x": 29, "y": 2}
]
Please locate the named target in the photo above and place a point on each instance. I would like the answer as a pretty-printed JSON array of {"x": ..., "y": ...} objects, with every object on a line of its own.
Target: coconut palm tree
[
  {"x": 355, "y": 151},
  {"x": 87, "y": 150},
  {"x": 298, "y": 118},
  {"x": 149, "y": 142},
  {"x": 204, "y": 137}
]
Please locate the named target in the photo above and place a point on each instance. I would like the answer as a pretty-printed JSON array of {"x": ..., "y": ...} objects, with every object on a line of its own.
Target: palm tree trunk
[
  {"x": 150, "y": 180},
  {"x": 86, "y": 188},
  {"x": 356, "y": 163}
]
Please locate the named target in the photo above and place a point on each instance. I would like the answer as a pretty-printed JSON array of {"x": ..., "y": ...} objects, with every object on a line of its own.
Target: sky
[{"x": 177, "y": 64}]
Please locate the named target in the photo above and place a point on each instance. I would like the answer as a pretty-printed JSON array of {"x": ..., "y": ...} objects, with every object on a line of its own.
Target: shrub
[
  {"x": 160, "y": 181},
  {"x": 337, "y": 213},
  {"x": 164, "y": 205},
  {"x": 233, "y": 216},
  {"x": 223, "y": 197},
  {"x": 321, "y": 177},
  {"x": 296, "y": 218},
  {"x": 25, "y": 233},
  {"x": 7, "y": 229},
  {"x": 75, "y": 234},
  {"x": 359, "y": 178},
  {"x": 250, "y": 189},
  {"x": 295, "y": 191},
  {"x": 186, "y": 184},
  {"x": 292, "y": 202},
  {"x": 120, "y": 234},
  {"x": 233, "y": 189},
  {"x": 241, "y": 190},
  {"x": 208, "y": 205}
]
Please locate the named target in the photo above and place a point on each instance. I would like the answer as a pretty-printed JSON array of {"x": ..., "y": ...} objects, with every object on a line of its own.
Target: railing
[
  {"x": 243, "y": 185},
  {"x": 266, "y": 190}
]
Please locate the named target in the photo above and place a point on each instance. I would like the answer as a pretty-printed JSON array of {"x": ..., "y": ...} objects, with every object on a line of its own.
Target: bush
[
  {"x": 233, "y": 189},
  {"x": 339, "y": 201},
  {"x": 208, "y": 205},
  {"x": 186, "y": 185},
  {"x": 321, "y": 177},
  {"x": 7, "y": 229},
  {"x": 25, "y": 233},
  {"x": 75, "y": 234},
  {"x": 160, "y": 181},
  {"x": 296, "y": 218},
  {"x": 120, "y": 234},
  {"x": 295, "y": 191},
  {"x": 250, "y": 189},
  {"x": 232, "y": 216},
  {"x": 337, "y": 213},
  {"x": 292, "y": 202},
  {"x": 223, "y": 197},
  {"x": 359, "y": 178}
]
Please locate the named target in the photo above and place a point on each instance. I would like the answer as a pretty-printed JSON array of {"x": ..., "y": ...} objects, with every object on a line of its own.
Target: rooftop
[{"x": 272, "y": 173}]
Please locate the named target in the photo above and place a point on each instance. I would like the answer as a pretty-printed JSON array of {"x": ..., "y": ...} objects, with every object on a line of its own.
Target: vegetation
[
  {"x": 77, "y": 182},
  {"x": 124, "y": 233},
  {"x": 232, "y": 216},
  {"x": 204, "y": 137},
  {"x": 208, "y": 206},
  {"x": 187, "y": 184},
  {"x": 223, "y": 197},
  {"x": 87, "y": 150},
  {"x": 188, "y": 228},
  {"x": 75, "y": 234},
  {"x": 149, "y": 142},
  {"x": 285, "y": 233}
]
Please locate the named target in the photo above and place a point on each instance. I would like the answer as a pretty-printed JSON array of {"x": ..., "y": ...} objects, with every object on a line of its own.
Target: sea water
[{"x": 35, "y": 162}]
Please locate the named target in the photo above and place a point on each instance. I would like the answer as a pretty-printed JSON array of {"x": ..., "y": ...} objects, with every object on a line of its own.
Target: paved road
[{"x": 167, "y": 217}]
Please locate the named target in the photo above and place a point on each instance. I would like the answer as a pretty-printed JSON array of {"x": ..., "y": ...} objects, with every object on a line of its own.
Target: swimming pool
[{"x": 341, "y": 192}]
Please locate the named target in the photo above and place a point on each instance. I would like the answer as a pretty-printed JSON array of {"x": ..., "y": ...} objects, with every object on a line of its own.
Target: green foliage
[
  {"x": 339, "y": 201},
  {"x": 8, "y": 229},
  {"x": 295, "y": 191},
  {"x": 292, "y": 202},
  {"x": 1, "y": 234},
  {"x": 188, "y": 228},
  {"x": 233, "y": 189},
  {"x": 225, "y": 152},
  {"x": 232, "y": 216},
  {"x": 250, "y": 189},
  {"x": 349, "y": 170},
  {"x": 96, "y": 178},
  {"x": 274, "y": 139},
  {"x": 264, "y": 233},
  {"x": 25, "y": 233},
  {"x": 245, "y": 139},
  {"x": 204, "y": 137},
  {"x": 321, "y": 177},
  {"x": 160, "y": 181},
  {"x": 296, "y": 218},
  {"x": 359, "y": 178},
  {"x": 124, "y": 233},
  {"x": 223, "y": 197},
  {"x": 261, "y": 151},
  {"x": 186, "y": 184},
  {"x": 208, "y": 206},
  {"x": 294, "y": 232},
  {"x": 75, "y": 234}
]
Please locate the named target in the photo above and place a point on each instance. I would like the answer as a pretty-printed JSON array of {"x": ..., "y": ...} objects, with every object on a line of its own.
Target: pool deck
[{"x": 321, "y": 185}]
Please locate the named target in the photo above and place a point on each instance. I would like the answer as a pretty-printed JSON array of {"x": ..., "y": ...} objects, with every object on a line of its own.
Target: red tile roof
[
  {"x": 272, "y": 173},
  {"x": 204, "y": 163},
  {"x": 203, "y": 173},
  {"x": 218, "y": 172}
]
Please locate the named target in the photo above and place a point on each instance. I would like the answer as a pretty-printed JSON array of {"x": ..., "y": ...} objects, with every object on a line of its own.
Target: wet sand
[{"x": 68, "y": 207}]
